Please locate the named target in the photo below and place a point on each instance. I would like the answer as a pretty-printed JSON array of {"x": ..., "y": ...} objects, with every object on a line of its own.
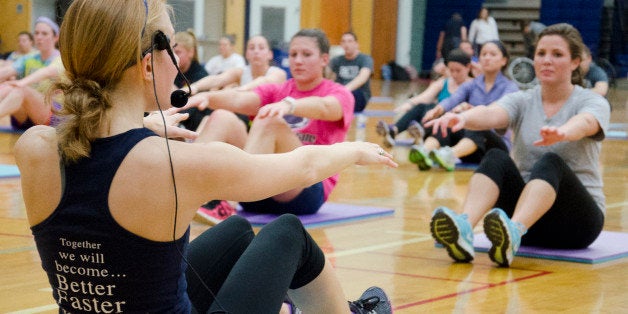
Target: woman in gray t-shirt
[{"x": 551, "y": 188}]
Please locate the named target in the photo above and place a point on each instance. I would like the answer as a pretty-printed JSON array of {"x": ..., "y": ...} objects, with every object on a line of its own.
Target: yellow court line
[
  {"x": 617, "y": 205},
  {"x": 371, "y": 248},
  {"x": 38, "y": 309}
]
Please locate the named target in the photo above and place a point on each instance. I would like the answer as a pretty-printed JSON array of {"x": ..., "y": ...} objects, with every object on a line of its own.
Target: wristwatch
[{"x": 292, "y": 102}]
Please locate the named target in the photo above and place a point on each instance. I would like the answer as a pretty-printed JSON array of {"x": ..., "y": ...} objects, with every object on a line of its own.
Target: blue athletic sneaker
[
  {"x": 505, "y": 236},
  {"x": 454, "y": 232},
  {"x": 419, "y": 156}
]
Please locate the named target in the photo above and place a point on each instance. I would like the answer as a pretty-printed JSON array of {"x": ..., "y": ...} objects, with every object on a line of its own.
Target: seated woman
[
  {"x": 192, "y": 70},
  {"x": 550, "y": 194},
  {"x": 101, "y": 184},
  {"x": 23, "y": 99},
  {"x": 25, "y": 42},
  {"x": 305, "y": 110},
  {"x": 469, "y": 146},
  {"x": 258, "y": 71},
  {"x": 594, "y": 77},
  {"x": 458, "y": 68}
]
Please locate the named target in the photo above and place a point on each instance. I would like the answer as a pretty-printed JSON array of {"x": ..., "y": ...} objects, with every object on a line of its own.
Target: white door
[{"x": 277, "y": 20}]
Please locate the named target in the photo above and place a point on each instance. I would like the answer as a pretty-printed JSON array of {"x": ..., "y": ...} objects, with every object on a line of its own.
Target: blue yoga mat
[
  {"x": 9, "y": 171},
  {"x": 616, "y": 135},
  {"x": 9, "y": 129},
  {"x": 330, "y": 213},
  {"x": 378, "y": 113}
]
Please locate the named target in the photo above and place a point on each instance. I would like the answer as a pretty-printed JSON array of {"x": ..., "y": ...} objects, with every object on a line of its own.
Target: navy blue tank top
[{"x": 93, "y": 263}]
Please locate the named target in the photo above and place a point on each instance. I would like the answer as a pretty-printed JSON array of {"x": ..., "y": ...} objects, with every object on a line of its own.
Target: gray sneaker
[
  {"x": 373, "y": 301},
  {"x": 418, "y": 155},
  {"x": 416, "y": 130},
  {"x": 388, "y": 132},
  {"x": 444, "y": 157}
]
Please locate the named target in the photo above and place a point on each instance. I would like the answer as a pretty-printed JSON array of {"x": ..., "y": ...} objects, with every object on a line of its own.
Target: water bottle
[
  {"x": 360, "y": 127},
  {"x": 386, "y": 72}
]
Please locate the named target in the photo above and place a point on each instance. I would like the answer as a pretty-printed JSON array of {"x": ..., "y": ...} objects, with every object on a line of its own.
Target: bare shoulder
[{"x": 36, "y": 143}]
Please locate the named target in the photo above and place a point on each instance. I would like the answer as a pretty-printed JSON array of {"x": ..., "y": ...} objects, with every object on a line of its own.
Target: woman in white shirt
[{"x": 483, "y": 29}]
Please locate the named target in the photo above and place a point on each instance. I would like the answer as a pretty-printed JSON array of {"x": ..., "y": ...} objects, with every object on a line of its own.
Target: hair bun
[{"x": 90, "y": 86}]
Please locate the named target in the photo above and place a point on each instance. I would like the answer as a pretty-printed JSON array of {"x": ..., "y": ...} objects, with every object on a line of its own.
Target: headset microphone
[{"x": 178, "y": 98}]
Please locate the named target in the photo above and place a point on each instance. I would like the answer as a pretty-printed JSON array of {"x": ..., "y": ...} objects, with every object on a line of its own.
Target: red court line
[
  {"x": 457, "y": 294},
  {"x": 406, "y": 275}
]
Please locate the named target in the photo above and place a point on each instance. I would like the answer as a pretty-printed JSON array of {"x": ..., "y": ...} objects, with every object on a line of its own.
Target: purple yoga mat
[
  {"x": 608, "y": 246},
  {"x": 330, "y": 213}
]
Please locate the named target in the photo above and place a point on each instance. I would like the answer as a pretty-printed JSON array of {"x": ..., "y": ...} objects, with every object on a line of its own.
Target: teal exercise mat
[{"x": 9, "y": 171}]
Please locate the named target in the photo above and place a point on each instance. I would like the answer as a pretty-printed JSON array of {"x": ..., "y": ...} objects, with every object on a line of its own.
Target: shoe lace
[{"x": 368, "y": 304}]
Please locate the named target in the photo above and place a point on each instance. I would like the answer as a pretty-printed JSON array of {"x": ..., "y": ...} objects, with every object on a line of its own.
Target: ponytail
[{"x": 85, "y": 108}]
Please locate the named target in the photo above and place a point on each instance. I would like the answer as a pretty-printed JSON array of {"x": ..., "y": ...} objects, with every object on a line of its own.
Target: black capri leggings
[
  {"x": 574, "y": 221},
  {"x": 485, "y": 141},
  {"x": 248, "y": 273},
  {"x": 416, "y": 113}
]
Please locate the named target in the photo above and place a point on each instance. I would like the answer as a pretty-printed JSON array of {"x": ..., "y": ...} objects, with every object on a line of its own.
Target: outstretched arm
[
  {"x": 244, "y": 102},
  {"x": 213, "y": 82},
  {"x": 326, "y": 108},
  {"x": 223, "y": 171},
  {"x": 44, "y": 73},
  {"x": 477, "y": 118},
  {"x": 578, "y": 127},
  {"x": 428, "y": 96},
  {"x": 274, "y": 77}
]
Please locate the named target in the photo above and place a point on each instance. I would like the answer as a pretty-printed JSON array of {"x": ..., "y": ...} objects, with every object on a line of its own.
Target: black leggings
[
  {"x": 416, "y": 113},
  {"x": 248, "y": 273},
  {"x": 485, "y": 141},
  {"x": 574, "y": 221}
]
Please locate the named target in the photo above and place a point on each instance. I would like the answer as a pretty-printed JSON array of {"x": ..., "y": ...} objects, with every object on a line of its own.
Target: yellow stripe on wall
[
  {"x": 362, "y": 23},
  {"x": 235, "y": 13}
]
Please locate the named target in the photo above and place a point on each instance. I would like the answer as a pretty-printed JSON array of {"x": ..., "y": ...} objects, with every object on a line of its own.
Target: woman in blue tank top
[
  {"x": 110, "y": 203},
  {"x": 413, "y": 109}
]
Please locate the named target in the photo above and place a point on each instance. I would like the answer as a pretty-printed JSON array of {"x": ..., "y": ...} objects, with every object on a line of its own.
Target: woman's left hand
[
  {"x": 155, "y": 123},
  {"x": 280, "y": 109},
  {"x": 462, "y": 107},
  {"x": 550, "y": 135},
  {"x": 454, "y": 121}
]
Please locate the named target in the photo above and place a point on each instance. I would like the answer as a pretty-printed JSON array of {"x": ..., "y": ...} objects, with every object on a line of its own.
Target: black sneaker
[{"x": 373, "y": 301}]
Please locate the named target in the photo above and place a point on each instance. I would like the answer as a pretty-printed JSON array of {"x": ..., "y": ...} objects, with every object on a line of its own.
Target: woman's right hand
[
  {"x": 449, "y": 120},
  {"x": 432, "y": 114},
  {"x": 200, "y": 101}
]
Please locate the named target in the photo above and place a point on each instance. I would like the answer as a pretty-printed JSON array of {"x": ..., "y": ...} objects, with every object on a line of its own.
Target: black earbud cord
[{"x": 174, "y": 183}]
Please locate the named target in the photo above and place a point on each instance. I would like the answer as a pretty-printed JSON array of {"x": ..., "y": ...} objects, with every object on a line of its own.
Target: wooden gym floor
[{"x": 395, "y": 252}]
